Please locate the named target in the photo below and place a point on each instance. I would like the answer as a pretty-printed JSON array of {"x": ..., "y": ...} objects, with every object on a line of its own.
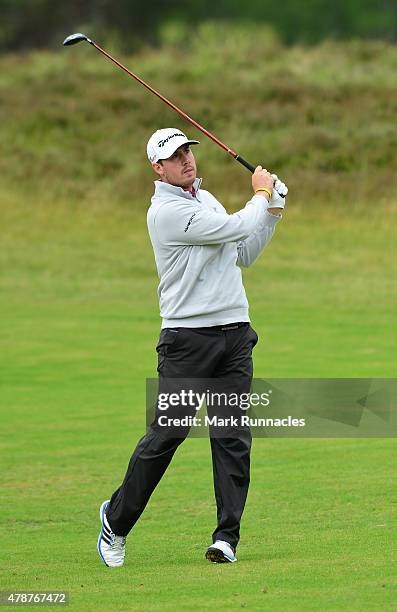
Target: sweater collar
[{"x": 165, "y": 188}]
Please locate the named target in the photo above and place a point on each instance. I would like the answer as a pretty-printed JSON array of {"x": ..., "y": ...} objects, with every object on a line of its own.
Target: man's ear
[{"x": 158, "y": 168}]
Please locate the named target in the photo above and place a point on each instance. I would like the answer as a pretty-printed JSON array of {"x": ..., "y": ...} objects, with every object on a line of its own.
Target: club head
[{"x": 73, "y": 39}]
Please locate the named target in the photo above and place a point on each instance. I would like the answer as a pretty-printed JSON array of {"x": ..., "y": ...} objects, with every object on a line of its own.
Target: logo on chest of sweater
[{"x": 189, "y": 222}]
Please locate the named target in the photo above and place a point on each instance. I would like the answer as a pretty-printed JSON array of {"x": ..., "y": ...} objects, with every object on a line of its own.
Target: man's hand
[
  {"x": 277, "y": 201},
  {"x": 262, "y": 179},
  {"x": 279, "y": 186}
]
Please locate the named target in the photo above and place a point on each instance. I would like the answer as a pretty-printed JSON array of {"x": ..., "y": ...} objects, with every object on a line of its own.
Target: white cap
[{"x": 163, "y": 143}]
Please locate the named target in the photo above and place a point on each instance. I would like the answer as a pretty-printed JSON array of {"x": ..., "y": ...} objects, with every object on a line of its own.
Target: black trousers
[{"x": 224, "y": 355}]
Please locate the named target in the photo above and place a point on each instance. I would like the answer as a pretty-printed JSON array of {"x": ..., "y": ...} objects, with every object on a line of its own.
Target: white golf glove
[
  {"x": 279, "y": 186},
  {"x": 280, "y": 190}
]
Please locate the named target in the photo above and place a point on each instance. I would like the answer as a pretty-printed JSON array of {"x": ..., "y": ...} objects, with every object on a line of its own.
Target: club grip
[
  {"x": 245, "y": 163},
  {"x": 250, "y": 167}
]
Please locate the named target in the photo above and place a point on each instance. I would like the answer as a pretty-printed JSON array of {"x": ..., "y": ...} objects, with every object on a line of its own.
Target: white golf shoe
[
  {"x": 220, "y": 552},
  {"x": 111, "y": 547}
]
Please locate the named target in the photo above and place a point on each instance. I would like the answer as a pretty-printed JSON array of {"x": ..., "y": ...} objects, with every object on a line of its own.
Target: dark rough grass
[{"x": 76, "y": 127}]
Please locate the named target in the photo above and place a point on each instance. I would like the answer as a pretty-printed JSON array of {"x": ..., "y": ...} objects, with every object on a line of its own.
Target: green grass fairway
[{"x": 79, "y": 326}]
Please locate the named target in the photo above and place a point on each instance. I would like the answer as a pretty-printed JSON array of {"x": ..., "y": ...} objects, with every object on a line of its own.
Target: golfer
[{"x": 206, "y": 334}]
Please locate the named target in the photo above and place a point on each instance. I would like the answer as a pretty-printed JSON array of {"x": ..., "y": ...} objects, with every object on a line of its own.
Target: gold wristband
[{"x": 264, "y": 189}]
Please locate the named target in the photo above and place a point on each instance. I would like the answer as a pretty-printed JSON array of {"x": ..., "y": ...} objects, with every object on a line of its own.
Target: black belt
[
  {"x": 225, "y": 327},
  {"x": 230, "y": 326}
]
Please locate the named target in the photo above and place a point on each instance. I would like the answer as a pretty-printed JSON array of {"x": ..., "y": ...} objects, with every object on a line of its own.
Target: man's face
[{"x": 179, "y": 169}]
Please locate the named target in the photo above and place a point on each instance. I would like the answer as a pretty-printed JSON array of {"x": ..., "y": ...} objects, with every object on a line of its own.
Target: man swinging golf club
[{"x": 206, "y": 334}]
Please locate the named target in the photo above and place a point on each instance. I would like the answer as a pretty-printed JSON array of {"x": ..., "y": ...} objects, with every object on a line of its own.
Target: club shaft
[{"x": 176, "y": 108}]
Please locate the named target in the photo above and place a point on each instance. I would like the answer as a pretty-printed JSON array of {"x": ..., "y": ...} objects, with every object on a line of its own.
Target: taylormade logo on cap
[{"x": 163, "y": 143}]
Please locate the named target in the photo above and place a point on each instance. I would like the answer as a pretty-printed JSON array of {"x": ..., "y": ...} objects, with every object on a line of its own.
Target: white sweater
[{"x": 199, "y": 248}]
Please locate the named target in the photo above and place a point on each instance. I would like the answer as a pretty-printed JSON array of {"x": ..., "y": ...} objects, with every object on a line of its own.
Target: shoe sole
[
  {"x": 217, "y": 556},
  {"x": 101, "y": 517}
]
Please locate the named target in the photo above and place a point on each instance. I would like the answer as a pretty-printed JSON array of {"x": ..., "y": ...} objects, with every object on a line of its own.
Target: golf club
[{"x": 73, "y": 39}]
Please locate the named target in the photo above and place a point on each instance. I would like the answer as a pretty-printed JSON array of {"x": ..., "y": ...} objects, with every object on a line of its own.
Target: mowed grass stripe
[{"x": 78, "y": 337}]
